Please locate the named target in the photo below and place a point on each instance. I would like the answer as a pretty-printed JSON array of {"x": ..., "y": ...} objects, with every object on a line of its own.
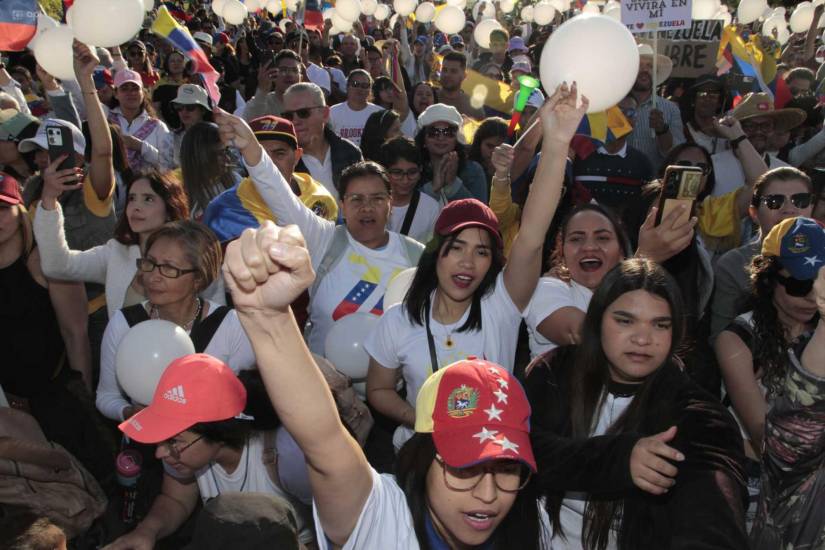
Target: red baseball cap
[
  {"x": 476, "y": 411},
  {"x": 194, "y": 388},
  {"x": 465, "y": 213},
  {"x": 274, "y": 127},
  {"x": 9, "y": 190}
]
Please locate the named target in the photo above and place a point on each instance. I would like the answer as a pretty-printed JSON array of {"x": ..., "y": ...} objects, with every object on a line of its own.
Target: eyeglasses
[
  {"x": 447, "y": 131},
  {"x": 360, "y": 201},
  {"x": 702, "y": 165},
  {"x": 174, "y": 451},
  {"x": 188, "y": 108},
  {"x": 359, "y": 84},
  {"x": 304, "y": 113},
  {"x": 766, "y": 127},
  {"x": 509, "y": 476},
  {"x": 289, "y": 70},
  {"x": 775, "y": 202},
  {"x": 146, "y": 265},
  {"x": 709, "y": 94},
  {"x": 398, "y": 173},
  {"x": 795, "y": 287}
]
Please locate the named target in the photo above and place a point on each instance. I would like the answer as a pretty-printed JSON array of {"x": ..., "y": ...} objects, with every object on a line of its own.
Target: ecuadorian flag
[{"x": 166, "y": 26}]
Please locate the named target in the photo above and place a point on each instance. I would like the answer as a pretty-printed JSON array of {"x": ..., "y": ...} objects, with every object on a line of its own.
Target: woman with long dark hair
[
  {"x": 381, "y": 126},
  {"x": 206, "y": 166},
  {"x": 611, "y": 414},
  {"x": 490, "y": 134}
]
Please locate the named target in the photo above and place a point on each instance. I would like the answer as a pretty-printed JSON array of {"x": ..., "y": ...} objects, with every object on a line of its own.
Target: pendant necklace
[{"x": 155, "y": 314}]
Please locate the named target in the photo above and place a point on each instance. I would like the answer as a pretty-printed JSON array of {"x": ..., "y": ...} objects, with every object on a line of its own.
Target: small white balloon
[
  {"x": 483, "y": 10},
  {"x": 614, "y": 12},
  {"x": 53, "y": 51},
  {"x": 252, "y": 5},
  {"x": 44, "y": 23},
  {"x": 217, "y": 6},
  {"x": 145, "y": 352},
  {"x": 368, "y": 7},
  {"x": 450, "y": 20},
  {"x": 404, "y": 7},
  {"x": 481, "y": 33},
  {"x": 591, "y": 8},
  {"x": 381, "y": 12},
  {"x": 574, "y": 52},
  {"x": 341, "y": 23},
  {"x": 107, "y": 23},
  {"x": 527, "y": 14},
  {"x": 750, "y": 10},
  {"x": 559, "y": 5},
  {"x": 348, "y": 9},
  {"x": 282, "y": 24},
  {"x": 802, "y": 17},
  {"x": 393, "y": 19},
  {"x": 704, "y": 9},
  {"x": 506, "y": 6},
  {"x": 398, "y": 287},
  {"x": 543, "y": 13},
  {"x": 771, "y": 25},
  {"x": 234, "y": 12},
  {"x": 724, "y": 16},
  {"x": 425, "y": 12},
  {"x": 344, "y": 344},
  {"x": 458, "y": 3},
  {"x": 784, "y": 35},
  {"x": 148, "y": 5}
]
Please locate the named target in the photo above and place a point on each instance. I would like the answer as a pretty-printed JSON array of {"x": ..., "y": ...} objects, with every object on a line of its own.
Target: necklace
[
  {"x": 154, "y": 313},
  {"x": 450, "y": 329},
  {"x": 247, "y": 450}
]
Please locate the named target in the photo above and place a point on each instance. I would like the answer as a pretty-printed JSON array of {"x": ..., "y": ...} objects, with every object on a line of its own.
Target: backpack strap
[
  {"x": 411, "y": 208},
  {"x": 203, "y": 332},
  {"x": 135, "y": 314},
  {"x": 333, "y": 255},
  {"x": 269, "y": 457}
]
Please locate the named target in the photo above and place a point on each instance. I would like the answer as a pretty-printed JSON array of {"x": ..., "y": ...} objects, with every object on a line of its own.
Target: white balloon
[
  {"x": 404, "y": 7},
  {"x": 382, "y": 12},
  {"x": 44, "y": 23},
  {"x": 282, "y": 24},
  {"x": 784, "y": 35},
  {"x": 217, "y": 6},
  {"x": 559, "y": 5},
  {"x": 53, "y": 51},
  {"x": 614, "y": 12},
  {"x": 145, "y": 352},
  {"x": 234, "y": 12},
  {"x": 591, "y": 8},
  {"x": 750, "y": 10},
  {"x": 368, "y": 7},
  {"x": 398, "y": 287},
  {"x": 393, "y": 19},
  {"x": 481, "y": 33},
  {"x": 253, "y": 5},
  {"x": 483, "y": 10},
  {"x": 506, "y": 6},
  {"x": 106, "y": 23},
  {"x": 527, "y": 14},
  {"x": 425, "y": 12},
  {"x": 821, "y": 23},
  {"x": 148, "y": 5},
  {"x": 543, "y": 13},
  {"x": 725, "y": 16},
  {"x": 574, "y": 52},
  {"x": 450, "y": 20},
  {"x": 704, "y": 9},
  {"x": 780, "y": 10},
  {"x": 342, "y": 24},
  {"x": 818, "y": 2},
  {"x": 802, "y": 17},
  {"x": 612, "y": 4},
  {"x": 458, "y": 3},
  {"x": 344, "y": 344},
  {"x": 348, "y": 9},
  {"x": 771, "y": 24}
]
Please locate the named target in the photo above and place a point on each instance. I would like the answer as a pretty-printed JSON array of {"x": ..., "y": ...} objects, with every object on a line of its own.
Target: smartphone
[
  {"x": 60, "y": 143},
  {"x": 680, "y": 186}
]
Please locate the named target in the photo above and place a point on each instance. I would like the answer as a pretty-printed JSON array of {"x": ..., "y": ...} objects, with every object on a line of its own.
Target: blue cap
[
  {"x": 439, "y": 39},
  {"x": 422, "y": 40},
  {"x": 799, "y": 243},
  {"x": 456, "y": 39}
]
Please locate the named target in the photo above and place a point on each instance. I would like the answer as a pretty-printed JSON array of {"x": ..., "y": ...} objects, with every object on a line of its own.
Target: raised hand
[
  {"x": 502, "y": 159},
  {"x": 663, "y": 241},
  {"x": 649, "y": 469},
  {"x": 234, "y": 131},
  {"x": 728, "y": 127},
  {"x": 55, "y": 182},
  {"x": 560, "y": 115},
  {"x": 85, "y": 60}
]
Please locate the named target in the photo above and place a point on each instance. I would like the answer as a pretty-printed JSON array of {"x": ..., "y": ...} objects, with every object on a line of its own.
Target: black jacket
[
  {"x": 703, "y": 510},
  {"x": 342, "y": 153}
]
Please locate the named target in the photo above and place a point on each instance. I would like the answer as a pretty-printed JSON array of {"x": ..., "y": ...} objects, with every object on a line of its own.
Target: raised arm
[
  {"x": 752, "y": 162},
  {"x": 266, "y": 269},
  {"x": 560, "y": 117}
]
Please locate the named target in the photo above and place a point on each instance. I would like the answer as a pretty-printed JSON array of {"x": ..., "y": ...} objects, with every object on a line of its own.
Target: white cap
[
  {"x": 440, "y": 112},
  {"x": 201, "y": 36},
  {"x": 40, "y": 140},
  {"x": 320, "y": 77},
  {"x": 192, "y": 94}
]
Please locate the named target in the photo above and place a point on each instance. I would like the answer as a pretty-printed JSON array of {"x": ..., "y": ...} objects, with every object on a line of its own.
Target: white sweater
[{"x": 112, "y": 264}]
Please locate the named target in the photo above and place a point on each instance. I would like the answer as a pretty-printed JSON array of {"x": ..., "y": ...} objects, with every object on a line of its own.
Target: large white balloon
[
  {"x": 458, "y": 3},
  {"x": 342, "y": 24},
  {"x": 591, "y": 7},
  {"x": 148, "y": 5},
  {"x": 802, "y": 17},
  {"x": 44, "y": 23},
  {"x": 404, "y": 7},
  {"x": 145, "y": 352},
  {"x": 506, "y": 6},
  {"x": 450, "y": 20},
  {"x": 724, "y": 16},
  {"x": 348, "y": 9},
  {"x": 344, "y": 344},
  {"x": 425, "y": 12},
  {"x": 750, "y": 10},
  {"x": 382, "y": 12},
  {"x": 527, "y": 14},
  {"x": 398, "y": 287},
  {"x": 614, "y": 12},
  {"x": 253, "y": 5},
  {"x": 481, "y": 33},
  {"x": 106, "y": 23},
  {"x": 575, "y": 52},
  {"x": 53, "y": 51},
  {"x": 217, "y": 6},
  {"x": 368, "y": 7},
  {"x": 234, "y": 12},
  {"x": 705, "y": 9},
  {"x": 543, "y": 13},
  {"x": 771, "y": 24},
  {"x": 559, "y": 5}
]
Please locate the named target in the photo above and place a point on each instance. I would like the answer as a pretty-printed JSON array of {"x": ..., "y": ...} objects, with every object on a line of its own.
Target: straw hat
[
  {"x": 664, "y": 65},
  {"x": 761, "y": 105}
]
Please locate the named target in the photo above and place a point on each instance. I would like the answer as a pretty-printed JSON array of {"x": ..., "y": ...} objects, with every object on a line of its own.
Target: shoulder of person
[{"x": 551, "y": 367}]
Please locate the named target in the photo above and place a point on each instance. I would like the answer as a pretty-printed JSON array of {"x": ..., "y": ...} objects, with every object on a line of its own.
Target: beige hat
[
  {"x": 761, "y": 104},
  {"x": 192, "y": 94},
  {"x": 664, "y": 65}
]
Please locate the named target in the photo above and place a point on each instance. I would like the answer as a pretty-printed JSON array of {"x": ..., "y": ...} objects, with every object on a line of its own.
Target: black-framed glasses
[
  {"x": 147, "y": 265},
  {"x": 398, "y": 173},
  {"x": 190, "y": 107},
  {"x": 704, "y": 166},
  {"x": 359, "y": 84},
  {"x": 303, "y": 113},
  {"x": 766, "y": 127},
  {"x": 174, "y": 451},
  {"x": 360, "y": 201},
  {"x": 509, "y": 476},
  {"x": 795, "y": 287},
  {"x": 776, "y": 201},
  {"x": 447, "y": 131}
]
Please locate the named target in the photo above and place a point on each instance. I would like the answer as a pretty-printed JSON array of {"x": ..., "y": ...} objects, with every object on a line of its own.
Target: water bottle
[{"x": 128, "y": 464}]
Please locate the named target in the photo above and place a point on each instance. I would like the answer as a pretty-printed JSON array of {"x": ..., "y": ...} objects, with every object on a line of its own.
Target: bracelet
[
  {"x": 501, "y": 178},
  {"x": 734, "y": 144}
]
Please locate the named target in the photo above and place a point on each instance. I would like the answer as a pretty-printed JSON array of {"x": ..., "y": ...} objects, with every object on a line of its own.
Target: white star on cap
[
  {"x": 503, "y": 383},
  {"x": 485, "y": 434},
  {"x": 507, "y": 445},
  {"x": 812, "y": 260},
  {"x": 501, "y": 396},
  {"x": 493, "y": 370},
  {"x": 493, "y": 412}
]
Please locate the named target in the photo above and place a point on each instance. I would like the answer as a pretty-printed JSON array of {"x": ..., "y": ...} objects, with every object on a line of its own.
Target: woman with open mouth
[
  {"x": 626, "y": 443},
  {"x": 463, "y": 300}
]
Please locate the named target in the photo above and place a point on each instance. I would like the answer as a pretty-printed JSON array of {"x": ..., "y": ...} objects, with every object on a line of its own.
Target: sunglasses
[
  {"x": 795, "y": 287},
  {"x": 187, "y": 108},
  {"x": 359, "y": 84},
  {"x": 448, "y": 131},
  {"x": 702, "y": 165},
  {"x": 775, "y": 202},
  {"x": 304, "y": 113}
]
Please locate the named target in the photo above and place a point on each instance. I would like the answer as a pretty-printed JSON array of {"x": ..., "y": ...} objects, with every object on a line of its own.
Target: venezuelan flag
[
  {"x": 752, "y": 57},
  {"x": 597, "y": 128},
  {"x": 166, "y": 26},
  {"x": 18, "y": 23}
]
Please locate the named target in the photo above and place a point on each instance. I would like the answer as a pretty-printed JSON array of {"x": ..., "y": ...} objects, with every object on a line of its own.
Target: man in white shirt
[{"x": 348, "y": 118}]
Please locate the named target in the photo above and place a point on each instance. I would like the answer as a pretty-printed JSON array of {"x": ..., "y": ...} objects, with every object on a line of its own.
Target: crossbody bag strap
[
  {"x": 408, "y": 217},
  {"x": 430, "y": 339}
]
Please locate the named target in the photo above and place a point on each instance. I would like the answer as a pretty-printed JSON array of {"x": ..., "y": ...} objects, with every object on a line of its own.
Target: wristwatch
[{"x": 734, "y": 144}]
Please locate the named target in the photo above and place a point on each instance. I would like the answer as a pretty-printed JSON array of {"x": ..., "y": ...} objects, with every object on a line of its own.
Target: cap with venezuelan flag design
[{"x": 799, "y": 243}]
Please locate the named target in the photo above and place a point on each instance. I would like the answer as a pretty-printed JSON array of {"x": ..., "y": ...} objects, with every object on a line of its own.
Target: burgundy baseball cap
[
  {"x": 9, "y": 190},
  {"x": 465, "y": 213},
  {"x": 274, "y": 127}
]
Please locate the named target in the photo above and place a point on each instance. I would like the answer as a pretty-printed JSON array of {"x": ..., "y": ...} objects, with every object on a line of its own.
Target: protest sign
[
  {"x": 692, "y": 50},
  {"x": 652, "y": 15}
]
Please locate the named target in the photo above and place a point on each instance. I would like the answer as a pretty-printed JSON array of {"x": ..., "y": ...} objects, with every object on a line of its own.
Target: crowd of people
[{"x": 631, "y": 374}]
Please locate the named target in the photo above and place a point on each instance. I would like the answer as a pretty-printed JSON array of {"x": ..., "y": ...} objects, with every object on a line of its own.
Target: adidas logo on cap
[{"x": 176, "y": 395}]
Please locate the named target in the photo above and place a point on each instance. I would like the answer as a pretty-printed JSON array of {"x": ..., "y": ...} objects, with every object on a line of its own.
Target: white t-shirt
[
  {"x": 573, "y": 504},
  {"x": 423, "y": 222},
  {"x": 349, "y": 124},
  {"x": 398, "y": 343},
  {"x": 321, "y": 171},
  {"x": 551, "y": 295},
  {"x": 409, "y": 126},
  {"x": 728, "y": 171},
  {"x": 252, "y": 476}
]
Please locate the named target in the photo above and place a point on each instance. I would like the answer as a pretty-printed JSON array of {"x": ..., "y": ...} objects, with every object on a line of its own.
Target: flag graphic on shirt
[
  {"x": 18, "y": 23},
  {"x": 362, "y": 290}
]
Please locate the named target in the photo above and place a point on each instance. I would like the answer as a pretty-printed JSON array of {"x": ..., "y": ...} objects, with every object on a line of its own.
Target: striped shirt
[{"x": 642, "y": 137}]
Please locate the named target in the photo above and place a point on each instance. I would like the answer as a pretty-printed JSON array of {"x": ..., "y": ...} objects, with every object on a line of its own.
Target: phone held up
[
  {"x": 60, "y": 143},
  {"x": 680, "y": 186}
]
